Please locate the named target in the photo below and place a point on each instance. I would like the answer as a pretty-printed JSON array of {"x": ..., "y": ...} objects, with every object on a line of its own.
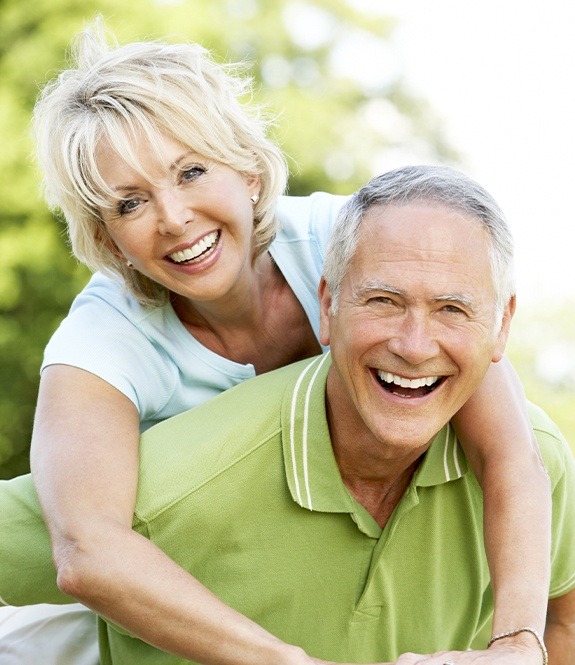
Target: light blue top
[{"x": 149, "y": 356}]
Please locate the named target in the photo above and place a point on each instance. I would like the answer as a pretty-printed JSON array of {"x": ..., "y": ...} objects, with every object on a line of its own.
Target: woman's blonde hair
[{"x": 118, "y": 93}]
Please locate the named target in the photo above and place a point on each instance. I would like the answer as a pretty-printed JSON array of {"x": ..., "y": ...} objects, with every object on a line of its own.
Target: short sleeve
[
  {"x": 560, "y": 465},
  {"x": 114, "y": 338}
]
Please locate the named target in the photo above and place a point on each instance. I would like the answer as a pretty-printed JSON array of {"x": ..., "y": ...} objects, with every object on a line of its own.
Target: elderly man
[{"x": 334, "y": 505}]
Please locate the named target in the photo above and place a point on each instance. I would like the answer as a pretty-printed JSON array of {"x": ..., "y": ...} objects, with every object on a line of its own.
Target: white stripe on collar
[
  {"x": 319, "y": 362},
  {"x": 450, "y": 450}
]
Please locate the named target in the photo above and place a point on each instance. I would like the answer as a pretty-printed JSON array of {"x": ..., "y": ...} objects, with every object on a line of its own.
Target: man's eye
[
  {"x": 453, "y": 309},
  {"x": 381, "y": 300}
]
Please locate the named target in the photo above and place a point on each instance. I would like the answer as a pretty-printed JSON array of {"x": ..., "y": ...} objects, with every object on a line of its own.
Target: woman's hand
[{"x": 520, "y": 650}]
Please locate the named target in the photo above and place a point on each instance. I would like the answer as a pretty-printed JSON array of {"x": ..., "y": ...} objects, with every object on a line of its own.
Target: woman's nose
[{"x": 174, "y": 212}]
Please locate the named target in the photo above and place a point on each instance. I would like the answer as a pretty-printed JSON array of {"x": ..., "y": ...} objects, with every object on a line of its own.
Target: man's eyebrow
[
  {"x": 368, "y": 287},
  {"x": 378, "y": 287},
  {"x": 458, "y": 298}
]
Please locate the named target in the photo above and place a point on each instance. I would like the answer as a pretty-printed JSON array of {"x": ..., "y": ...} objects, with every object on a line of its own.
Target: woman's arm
[
  {"x": 496, "y": 433},
  {"x": 85, "y": 466},
  {"x": 522, "y": 649},
  {"x": 560, "y": 631}
]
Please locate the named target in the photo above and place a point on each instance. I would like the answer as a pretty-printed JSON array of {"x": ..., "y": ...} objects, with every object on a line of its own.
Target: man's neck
[
  {"x": 378, "y": 493},
  {"x": 375, "y": 472}
]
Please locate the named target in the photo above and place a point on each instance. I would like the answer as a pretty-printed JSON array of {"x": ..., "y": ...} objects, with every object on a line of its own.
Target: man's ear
[
  {"x": 324, "y": 295},
  {"x": 503, "y": 334}
]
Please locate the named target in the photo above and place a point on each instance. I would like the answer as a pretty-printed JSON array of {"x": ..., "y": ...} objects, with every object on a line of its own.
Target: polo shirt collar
[
  {"x": 311, "y": 470},
  {"x": 443, "y": 462}
]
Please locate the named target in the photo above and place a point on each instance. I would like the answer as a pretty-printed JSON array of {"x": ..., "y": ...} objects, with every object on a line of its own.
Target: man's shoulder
[
  {"x": 247, "y": 403},
  {"x": 187, "y": 450}
]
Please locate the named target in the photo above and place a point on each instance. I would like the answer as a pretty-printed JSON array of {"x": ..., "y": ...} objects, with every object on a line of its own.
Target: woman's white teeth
[
  {"x": 388, "y": 377},
  {"x": 195, "y": 250}
]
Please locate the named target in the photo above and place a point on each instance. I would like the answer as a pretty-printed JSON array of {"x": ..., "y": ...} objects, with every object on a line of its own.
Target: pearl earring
[
  {"x": 255, "y": 198},
  {"x": 129, "y": 264}
]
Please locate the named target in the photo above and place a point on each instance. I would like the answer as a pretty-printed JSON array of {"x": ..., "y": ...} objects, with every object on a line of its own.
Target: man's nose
[
  {"x": 174, "y": 212},
  {"x": 414, "y": 339}
]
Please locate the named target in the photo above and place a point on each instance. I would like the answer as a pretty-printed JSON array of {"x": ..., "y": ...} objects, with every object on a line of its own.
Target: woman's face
[{"x": 189, "y": 227}]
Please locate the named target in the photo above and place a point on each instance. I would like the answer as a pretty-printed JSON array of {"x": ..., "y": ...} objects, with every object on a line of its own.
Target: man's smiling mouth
[
  {"x": 196, "y": 251},
  {"x": 409, "y": 388}
]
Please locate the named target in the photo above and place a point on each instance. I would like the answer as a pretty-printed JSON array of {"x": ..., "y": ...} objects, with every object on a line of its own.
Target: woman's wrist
[{"x": 524, "y": 638}]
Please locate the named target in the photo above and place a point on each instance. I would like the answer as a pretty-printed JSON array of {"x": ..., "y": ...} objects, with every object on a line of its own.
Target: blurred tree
[
  {"x": 322, "y": 66},
  {"x": 542, "y": 349}
]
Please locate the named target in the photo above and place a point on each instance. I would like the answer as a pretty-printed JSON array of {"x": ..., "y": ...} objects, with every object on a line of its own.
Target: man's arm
[
  {"x": 27, "y": 573},
  {"x": 560, "y": 630}
]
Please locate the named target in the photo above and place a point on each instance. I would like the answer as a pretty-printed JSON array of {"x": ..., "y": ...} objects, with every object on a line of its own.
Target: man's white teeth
[
  {"x": 195, "y": 250},
  {"x": 388, "y": 377}
]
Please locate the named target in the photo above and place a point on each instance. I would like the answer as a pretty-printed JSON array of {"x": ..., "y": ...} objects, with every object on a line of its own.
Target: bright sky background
[{"x": 501, "y": 73}]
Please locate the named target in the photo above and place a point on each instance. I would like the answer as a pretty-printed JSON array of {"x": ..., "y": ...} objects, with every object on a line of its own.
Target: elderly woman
[{"x": 204, "y": 276}]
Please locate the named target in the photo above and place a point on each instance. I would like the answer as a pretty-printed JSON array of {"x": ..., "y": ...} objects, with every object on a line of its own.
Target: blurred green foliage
[
  {"x": 332, "y": 122},
  {"x": 542, "y": 349}
]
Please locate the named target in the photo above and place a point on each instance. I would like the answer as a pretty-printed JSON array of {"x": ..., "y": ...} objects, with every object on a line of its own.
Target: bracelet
[{"x": 526, "y": 629}]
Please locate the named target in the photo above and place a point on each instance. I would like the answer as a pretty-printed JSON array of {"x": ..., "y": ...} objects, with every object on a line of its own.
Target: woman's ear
[{"x": 254, "y": 185}]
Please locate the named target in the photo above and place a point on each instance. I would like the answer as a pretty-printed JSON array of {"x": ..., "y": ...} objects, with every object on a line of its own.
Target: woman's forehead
[{"x": 144, "y": 154}]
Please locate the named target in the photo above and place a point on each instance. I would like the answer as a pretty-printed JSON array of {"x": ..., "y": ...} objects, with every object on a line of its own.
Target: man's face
[{"x": 415, "y": 329}]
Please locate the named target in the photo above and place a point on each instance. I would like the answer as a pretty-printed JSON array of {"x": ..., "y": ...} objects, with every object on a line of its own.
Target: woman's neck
[
  {"x": 251, "y": 326},
  {"x": 243, "y": 308}
]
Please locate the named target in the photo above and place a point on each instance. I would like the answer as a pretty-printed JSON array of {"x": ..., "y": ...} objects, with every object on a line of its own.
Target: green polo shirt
[{"x": 245, "y": 493}]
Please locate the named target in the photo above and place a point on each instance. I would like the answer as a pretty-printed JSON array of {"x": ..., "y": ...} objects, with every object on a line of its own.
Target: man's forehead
[
  {"x": 422, "y": 231},
  {"x": 426, "y": 213},
  {"x": 422, "y": 245}
]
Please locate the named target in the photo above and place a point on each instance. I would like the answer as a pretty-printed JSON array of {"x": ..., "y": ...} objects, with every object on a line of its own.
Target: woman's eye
[
  {"x": 192, "y": 172},
  {"x": 128, "y": 205}
]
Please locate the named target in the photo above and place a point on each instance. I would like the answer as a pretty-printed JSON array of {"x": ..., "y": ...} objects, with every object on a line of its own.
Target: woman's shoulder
[
  {"x": 109, "y": 334},
  {"x": 104, "y": 294},
  {"x": 105, "y": 315},
  {"x": 308, "y": 214}
]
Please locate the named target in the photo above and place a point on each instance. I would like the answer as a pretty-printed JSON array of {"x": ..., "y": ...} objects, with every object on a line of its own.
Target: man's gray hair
[{"x": 440, "y": 185}]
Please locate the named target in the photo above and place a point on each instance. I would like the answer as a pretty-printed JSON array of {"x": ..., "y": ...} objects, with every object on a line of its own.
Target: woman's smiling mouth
[{"x": 199, "y": 250}]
